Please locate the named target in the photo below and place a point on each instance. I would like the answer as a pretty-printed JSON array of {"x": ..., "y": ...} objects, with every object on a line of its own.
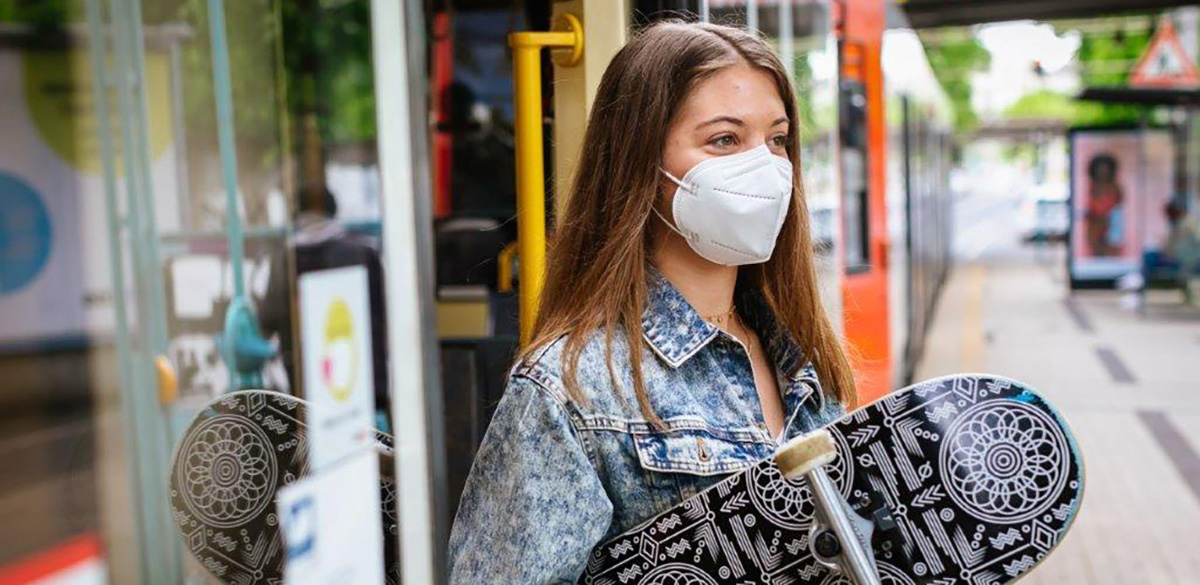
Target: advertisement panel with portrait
[{"x": 1120, "y": 183}]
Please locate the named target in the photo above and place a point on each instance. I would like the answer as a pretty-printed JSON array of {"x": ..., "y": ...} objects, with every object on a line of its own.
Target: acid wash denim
[{"x": 555, "y": 477}]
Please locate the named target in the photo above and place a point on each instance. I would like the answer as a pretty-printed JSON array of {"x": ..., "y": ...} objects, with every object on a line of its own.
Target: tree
[
  {"x": 953, "y": 60},
  {"x": 36, "y": 13},
  {"x": 1106, "y": 59},
  {"x": 1043, "y": 105}
]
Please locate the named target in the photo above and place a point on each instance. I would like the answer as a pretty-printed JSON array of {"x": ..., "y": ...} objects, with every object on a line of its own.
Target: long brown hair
[{"x": 596, "y": 267}]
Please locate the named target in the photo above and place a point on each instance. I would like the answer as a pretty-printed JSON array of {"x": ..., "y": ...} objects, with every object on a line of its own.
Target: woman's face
[{"x": 733, "y": 110}]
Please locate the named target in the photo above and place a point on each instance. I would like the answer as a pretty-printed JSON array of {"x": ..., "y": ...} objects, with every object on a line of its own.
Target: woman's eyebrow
[
  {"x": 718, "y": 119},
  {"x": 736, "y": 121}
]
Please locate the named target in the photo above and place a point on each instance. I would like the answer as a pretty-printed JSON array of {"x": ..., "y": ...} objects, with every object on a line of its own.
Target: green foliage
[
  {"x": 1049, "y": 105},
  {"x": 1043, "y": 105},
  {"x": 953, "y": 62},
  {"x": 327, "y": 57},
  {"x": 1106, "y": 60},
  {"x": 1098, "y": 52},
  {"x": 251, "y": 39},
  {"x": 54, "y": 14},
  {"x": 316, "y": 53},
  {"x": 37, "y": 13}
]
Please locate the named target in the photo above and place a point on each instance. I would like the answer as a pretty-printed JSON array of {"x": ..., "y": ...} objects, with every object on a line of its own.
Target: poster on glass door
[{"x": 55, "y": 274}]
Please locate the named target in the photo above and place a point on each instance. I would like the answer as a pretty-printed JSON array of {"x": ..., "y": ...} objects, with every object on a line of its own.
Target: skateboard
[
  {"x": 967, "y": 480},
  {"x": 238, "y": 452}
]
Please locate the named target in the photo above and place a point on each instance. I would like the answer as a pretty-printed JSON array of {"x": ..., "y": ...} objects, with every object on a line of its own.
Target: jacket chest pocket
[{"x": 686, "y": 462}]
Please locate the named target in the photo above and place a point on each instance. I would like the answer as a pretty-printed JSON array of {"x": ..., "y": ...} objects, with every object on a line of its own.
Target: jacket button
[{"x": 703, "y": 449}]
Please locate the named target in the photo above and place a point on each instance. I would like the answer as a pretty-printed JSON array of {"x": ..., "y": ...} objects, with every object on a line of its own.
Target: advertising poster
[
  {"x": 55, "y": 276},
  {"x": 1120, "y": 185}
]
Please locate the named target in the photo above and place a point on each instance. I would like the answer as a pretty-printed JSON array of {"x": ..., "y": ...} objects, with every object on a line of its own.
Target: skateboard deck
[
  {"x": 980, "y": 476},
  {"x": 233, "y": 458}
]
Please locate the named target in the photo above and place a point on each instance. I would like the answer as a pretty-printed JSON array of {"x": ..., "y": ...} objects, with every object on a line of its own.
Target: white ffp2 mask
[{"x": 730, "y": 208}]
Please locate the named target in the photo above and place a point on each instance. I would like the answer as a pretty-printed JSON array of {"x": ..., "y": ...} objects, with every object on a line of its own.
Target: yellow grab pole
[
  {"x": 504, "y": 282},
  {"x": 531, "y": 185}
]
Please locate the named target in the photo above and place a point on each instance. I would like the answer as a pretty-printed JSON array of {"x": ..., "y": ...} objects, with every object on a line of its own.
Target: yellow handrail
[
  {"x": 531, "y": 187},
  {"x": 504, "y": 283}
]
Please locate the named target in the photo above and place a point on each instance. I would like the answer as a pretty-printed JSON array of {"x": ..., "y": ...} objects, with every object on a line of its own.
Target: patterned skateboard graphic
[
  {"x": 229, "y": 465},
  {"x": 982, "y": 477}
]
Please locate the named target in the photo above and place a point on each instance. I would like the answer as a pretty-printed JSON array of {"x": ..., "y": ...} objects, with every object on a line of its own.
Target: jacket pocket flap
[{"x": 696, "y": 452}]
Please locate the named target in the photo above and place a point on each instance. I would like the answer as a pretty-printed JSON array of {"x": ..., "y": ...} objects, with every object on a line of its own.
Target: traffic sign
[{"x": 1165, "y": 64}]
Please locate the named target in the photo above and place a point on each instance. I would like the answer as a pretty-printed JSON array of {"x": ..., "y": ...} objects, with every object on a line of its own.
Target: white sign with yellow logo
[{"x": 335, "y": 320}]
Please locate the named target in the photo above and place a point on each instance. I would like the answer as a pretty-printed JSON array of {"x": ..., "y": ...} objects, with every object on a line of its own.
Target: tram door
[
  {"x": 476, "y": 203},
  {"x": 161, "y": 162},
  {"x": 474, "y": 156},
  {"x": 862, "y": 146}
]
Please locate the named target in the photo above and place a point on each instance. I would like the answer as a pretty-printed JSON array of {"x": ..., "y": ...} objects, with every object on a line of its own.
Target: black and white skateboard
[
  {"x": 227, "y": 469},
  {"x": 961, "y": 480}
]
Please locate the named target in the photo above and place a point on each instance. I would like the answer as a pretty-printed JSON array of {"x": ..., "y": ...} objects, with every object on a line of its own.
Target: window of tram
[
  {"x": 119, "y": 270},
  {"x": 853, "y": 131}
]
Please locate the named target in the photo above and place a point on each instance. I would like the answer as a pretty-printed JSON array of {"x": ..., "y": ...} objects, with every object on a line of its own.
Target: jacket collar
[
  {"x": 676, "y": 332},
  {"x": 672, "y": 327}
]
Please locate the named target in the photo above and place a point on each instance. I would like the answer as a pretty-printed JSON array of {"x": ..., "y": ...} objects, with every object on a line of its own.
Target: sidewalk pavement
[{"x": 1129, "y": 386}]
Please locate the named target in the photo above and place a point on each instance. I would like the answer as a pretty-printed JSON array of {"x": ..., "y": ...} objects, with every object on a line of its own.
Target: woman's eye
[
  {"x": 724, "y": 141},
  {"x": 780, "y": 141}
]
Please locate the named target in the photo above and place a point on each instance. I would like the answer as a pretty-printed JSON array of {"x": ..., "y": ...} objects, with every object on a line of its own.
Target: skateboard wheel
[{"x": 805, "y": 453}]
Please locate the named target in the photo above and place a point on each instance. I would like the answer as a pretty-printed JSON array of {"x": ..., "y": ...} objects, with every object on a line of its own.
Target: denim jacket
[{"x": 555, "y": 477}]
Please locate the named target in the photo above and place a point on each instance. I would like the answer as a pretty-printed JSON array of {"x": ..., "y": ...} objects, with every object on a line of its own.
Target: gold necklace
[{"x": 719, "y": 318}]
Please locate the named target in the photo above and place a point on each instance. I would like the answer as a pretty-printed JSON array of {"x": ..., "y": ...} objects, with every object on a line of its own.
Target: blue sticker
[
  {"x": 25, "y": 234},
  {"x": 300, "y": 528}
]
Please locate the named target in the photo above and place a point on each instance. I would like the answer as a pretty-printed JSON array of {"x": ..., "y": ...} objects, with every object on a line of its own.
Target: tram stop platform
[{"x": 1128, "y": 384}]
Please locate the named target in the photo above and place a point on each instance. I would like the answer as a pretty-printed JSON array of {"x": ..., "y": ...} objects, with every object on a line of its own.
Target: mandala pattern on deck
[
  {"x": 1004, "y": 461},
  {"x": 228, "y": 470}
]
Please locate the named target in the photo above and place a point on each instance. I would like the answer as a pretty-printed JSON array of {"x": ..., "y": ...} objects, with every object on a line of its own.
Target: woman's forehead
[{"x": 740, "y": 91}]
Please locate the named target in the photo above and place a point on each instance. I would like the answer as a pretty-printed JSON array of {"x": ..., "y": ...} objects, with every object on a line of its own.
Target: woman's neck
[{"x": 706, "y": 285}]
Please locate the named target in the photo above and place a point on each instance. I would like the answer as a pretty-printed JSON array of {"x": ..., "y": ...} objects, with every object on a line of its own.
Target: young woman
[{"x": 680, "y": 336}]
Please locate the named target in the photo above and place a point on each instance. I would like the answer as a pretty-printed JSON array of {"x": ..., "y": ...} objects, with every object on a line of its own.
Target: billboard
[{"x": 1120, "y": 184}]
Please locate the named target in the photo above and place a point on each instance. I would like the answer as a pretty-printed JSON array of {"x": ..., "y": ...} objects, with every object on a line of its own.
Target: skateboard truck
[
  {"x": 887, "y": 538},
  {"x": 840, "y": 538}
]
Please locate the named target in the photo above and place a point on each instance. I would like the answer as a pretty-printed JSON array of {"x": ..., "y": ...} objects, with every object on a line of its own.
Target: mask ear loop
[
  {"x": 674, "y": 180},
  {"x": 654, "y": 208},
  {"x": 667, "y": 223}
]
